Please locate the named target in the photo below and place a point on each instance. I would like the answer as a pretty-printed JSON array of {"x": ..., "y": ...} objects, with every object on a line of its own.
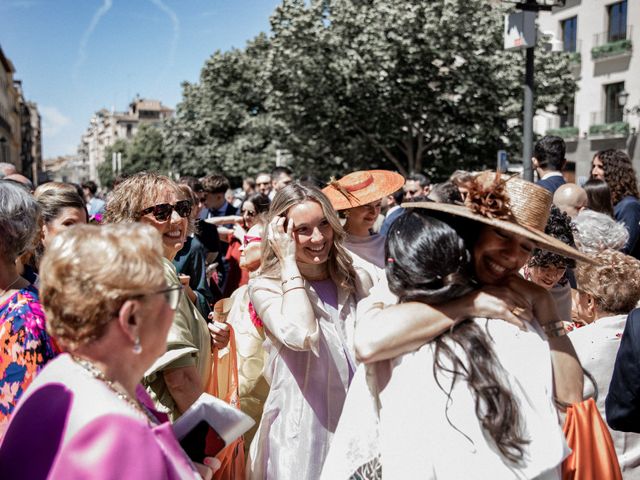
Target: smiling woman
[
  {"x": 179, "y": 376},
  {"x": 305, "y": 294}
]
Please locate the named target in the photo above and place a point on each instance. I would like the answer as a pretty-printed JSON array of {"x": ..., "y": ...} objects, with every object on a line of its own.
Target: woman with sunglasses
[
  {"x": 180, "y": 375},
  {"x": 252, "y": 210},
  {"x": 86, "y": 414}
]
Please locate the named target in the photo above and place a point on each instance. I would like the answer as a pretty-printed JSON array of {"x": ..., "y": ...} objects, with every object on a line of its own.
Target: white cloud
[
  {"x": 82, "y": 49},
  {"x": 53, "y": 120}
]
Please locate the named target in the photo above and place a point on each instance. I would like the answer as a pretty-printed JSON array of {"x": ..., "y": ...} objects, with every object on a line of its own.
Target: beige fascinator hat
[
  {"x": 511, "y": 204},
  {"x": 362, "y": 187}
]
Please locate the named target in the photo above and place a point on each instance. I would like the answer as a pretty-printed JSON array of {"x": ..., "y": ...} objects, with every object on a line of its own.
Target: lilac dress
[
  {"x": 309, "y": 373},
  {"x": 69, "y": 425}
]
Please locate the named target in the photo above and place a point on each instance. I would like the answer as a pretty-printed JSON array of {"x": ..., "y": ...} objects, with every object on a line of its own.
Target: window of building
[
  {"x": 569, "y": 34},
  {"x": 129, "y": 130},
  {"x": 567, "y": 115},
  {"x": 613, "y": 111},
  {"x": 617, "y": 21}
]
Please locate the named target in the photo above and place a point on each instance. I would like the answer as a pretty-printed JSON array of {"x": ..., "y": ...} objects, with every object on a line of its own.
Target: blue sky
[{"x": 75, "y": 57}]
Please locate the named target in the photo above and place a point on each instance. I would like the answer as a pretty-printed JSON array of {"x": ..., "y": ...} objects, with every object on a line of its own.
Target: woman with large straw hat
[
  {"x": 501, "y": 222},
  {"x": 358, "y": 196}
]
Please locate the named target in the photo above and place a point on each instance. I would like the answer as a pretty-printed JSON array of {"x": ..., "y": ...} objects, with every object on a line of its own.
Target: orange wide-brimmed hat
[
  {"x": 511, "y": 204},
  {"x": 362, "y": 187}
]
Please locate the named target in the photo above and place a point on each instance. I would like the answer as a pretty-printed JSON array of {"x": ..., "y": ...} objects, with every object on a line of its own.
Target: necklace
[
  {"x": 15, "y": 280},
  {"x": 96, "y": 373}
]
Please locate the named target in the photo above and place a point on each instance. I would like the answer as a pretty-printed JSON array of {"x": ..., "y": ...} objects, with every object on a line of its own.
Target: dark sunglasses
[{"x": 163, "y": 211}]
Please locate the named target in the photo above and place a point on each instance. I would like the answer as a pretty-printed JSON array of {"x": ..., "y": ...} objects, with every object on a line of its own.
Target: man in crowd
[
  {"x": 394, "y": 210},
  {"x": 263, "y": 183},
  {"x": 548, "y": 161},
  {"x": 416, "y": 185},
  {"x": 214, "y": 187},
  {"x": 570, "y": 198},
  {"x": 94, "y": 204},
  {"x": 280, "y": 178}
]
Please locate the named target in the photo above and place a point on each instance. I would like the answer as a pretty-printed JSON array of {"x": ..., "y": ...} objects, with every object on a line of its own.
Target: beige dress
[
  {"x": 309, "y": 373},
  {"x": 188, "y": 344},
  {"x": 252, "y": 386}
]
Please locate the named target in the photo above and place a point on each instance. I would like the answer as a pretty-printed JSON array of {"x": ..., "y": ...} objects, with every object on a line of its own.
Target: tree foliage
[
  {"x": 414, "y": 86},
  {"x": 420, "y": 86},
  {"x": 145, "y": 151},
  {"x": 222, "y": 123}
]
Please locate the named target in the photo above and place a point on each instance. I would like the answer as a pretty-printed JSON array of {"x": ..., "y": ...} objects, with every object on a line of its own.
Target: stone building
[
  {"x": 603, "y": 38},
  {"x": 106, "y": 127},
  {"x": 9, "y": 115},
  {"x": 20, "y": 125}
]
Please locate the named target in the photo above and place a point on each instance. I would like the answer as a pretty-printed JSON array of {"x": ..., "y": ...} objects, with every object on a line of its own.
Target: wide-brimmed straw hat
[
  {"x": 362, "y": 187},
  {"x": 511, "y": 204}
]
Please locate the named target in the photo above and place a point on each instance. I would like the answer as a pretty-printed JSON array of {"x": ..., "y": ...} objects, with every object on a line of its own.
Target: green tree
[
  {"x": 222, "y": 123},
  {"x": 413, "y": 86},
  {"x": 145, "y": 151},
  {"x": 105, "y": 169}
]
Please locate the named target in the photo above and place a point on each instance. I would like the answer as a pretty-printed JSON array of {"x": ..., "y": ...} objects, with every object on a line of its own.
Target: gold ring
[{"x": 517, "y": 311}]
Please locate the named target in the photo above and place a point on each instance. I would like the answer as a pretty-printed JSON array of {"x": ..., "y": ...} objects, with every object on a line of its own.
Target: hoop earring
[{"x": 137, "y": 348}]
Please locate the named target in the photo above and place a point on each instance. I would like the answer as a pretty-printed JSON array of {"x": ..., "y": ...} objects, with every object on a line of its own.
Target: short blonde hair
[
  {"x": 88, "y": 272},
  {"x": 136, "y": 193},
  {"x": 340, "y": 267},
  {"x": 614, "y": 281}
]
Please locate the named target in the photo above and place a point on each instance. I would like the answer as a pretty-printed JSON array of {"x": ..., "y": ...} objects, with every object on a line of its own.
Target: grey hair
[
  {"x": 7, "y": 169},
  {"x": 595, "y": 231},
  {"x": 19, "y": 220}
]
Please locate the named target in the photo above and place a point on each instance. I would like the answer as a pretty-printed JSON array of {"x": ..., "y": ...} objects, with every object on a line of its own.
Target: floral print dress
[{"x": 25, "y": 347}]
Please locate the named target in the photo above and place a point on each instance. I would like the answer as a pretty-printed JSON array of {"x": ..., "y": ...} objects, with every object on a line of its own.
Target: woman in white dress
[{"x": 306, "y": 295}]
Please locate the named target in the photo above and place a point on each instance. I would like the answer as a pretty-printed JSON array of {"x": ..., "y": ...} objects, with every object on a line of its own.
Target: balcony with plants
[
  {"x": 607, "y": 45},
  {"x": 568, "y": 134},
  {"x": 602, "y": 126}
]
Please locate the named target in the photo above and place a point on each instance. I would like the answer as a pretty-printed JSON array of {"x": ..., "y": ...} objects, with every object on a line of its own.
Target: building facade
[
  {"x": 107, "y": 127},
  {"x": 9, "y": 115},
  {"x": 67, "y": 168},
  {"x": 20, "y": 125},
  {"x": 603, "y": 39}
]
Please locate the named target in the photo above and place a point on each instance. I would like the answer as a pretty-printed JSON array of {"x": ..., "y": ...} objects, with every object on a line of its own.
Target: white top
[
  {"x": 451, "y": 440},
  {"x": 405, "y": 421},
  {"x": 597, "y": 346}
]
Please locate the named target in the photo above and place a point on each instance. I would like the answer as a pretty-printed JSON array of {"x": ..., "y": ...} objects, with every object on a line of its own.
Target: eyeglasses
[
  {"x": 171, "y": 295},
  {"x": 163, "y": 211},
  {"x": 249, "y": 213}
]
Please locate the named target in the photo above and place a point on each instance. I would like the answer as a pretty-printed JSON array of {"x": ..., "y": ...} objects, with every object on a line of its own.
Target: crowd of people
[{"x": 373, "y": 326}]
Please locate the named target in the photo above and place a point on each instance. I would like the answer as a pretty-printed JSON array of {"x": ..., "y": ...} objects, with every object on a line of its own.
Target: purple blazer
[{"x": 68, "y": 425}]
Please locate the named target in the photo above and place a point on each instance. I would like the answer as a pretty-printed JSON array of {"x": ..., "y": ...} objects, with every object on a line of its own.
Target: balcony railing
[{"x": 605, "y": 46}]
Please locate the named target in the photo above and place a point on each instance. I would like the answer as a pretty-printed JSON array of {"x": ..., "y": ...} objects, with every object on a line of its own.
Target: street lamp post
[
  {"x": 529, "y": 87},
  {"x": 623, "y": 97}
]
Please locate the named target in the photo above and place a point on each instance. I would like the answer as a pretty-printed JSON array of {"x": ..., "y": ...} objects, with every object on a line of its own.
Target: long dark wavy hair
[
  {"x": 618, "y": 173},
  {"x": 429, "y": 263}
]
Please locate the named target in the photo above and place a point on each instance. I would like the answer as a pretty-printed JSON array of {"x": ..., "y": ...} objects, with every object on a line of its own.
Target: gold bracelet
[
  {"x": 290, "y": 279},
  {"x": 292, "y": 288}
]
